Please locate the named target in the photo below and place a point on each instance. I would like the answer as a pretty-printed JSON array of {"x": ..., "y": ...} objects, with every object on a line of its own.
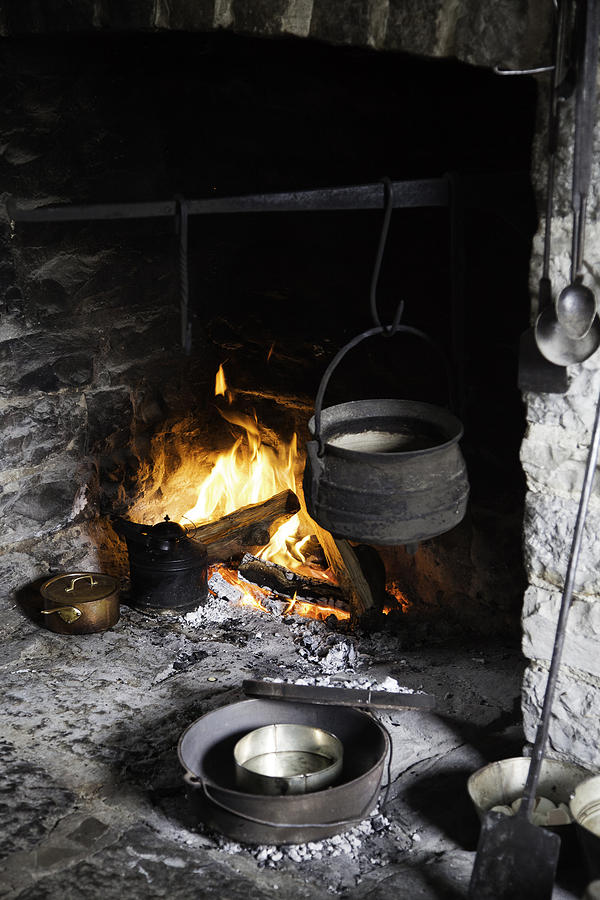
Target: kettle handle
[{"x": 380, "y": 329}]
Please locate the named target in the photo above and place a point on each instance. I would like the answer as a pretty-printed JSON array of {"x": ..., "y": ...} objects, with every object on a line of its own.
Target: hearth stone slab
[
  {"x": 93, "y": 723},
  {"x": 42, "y": 801},
  {"x": 540, "y": 615},
  {"x": 575, "y": 724}
]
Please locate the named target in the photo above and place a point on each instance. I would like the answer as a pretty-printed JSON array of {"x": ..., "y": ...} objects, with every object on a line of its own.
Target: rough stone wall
[
  {"x": 554, "y": 454},
  {"x": 88, "y": 325},
  {"x": 85, "y": 338},
  {"x": 512, "y": 32}
]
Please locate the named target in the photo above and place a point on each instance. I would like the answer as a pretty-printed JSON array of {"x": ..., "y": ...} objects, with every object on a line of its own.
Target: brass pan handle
[
  {"x": 68, "y": 614},
  {"x": 73, "y": 580}
]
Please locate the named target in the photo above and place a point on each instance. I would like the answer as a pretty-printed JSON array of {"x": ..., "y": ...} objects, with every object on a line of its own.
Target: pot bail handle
[
  {"x": 387, "y": 331},
  {"x": 194, "y": 781}
]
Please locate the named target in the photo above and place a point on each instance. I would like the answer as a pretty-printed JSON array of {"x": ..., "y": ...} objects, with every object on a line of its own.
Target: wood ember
[
  {"x": 282, "y": 581},
  {"x": 246, "y": 529}
]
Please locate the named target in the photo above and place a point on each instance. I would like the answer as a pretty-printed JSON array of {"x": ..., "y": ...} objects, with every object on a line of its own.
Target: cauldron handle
[
  {"x": 197, "y": 783},
  {"x": 388, "y": 331}
]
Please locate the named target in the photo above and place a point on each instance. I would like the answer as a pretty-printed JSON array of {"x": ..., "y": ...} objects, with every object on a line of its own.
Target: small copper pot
[{"x": 80, "y": 603}]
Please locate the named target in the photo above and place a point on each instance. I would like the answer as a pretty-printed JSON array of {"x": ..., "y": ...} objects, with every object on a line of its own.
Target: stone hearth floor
[{"x": 92, "y": 797}]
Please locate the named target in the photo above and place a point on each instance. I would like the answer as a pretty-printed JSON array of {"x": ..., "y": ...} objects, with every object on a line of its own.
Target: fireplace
[
  {"x": 272, "y": 295},
  {"x": 108, "y": 414}
]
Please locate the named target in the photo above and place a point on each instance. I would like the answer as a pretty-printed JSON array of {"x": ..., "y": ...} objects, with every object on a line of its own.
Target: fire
[
  {"x": 221, "y": 388},
  {"x": 315, "y": 610},
  {"x": 393, "y": 588},
  {"x": 255, "y": 597},
  {"x": 250, "y": 472}
]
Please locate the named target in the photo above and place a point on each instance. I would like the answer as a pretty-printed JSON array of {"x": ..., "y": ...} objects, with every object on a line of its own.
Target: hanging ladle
[
  {"x": 576, "y": 304},
  {"x": 570, "y": 332}
]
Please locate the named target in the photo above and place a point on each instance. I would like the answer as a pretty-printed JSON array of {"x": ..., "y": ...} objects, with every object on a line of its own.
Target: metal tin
[
  {"x": 585, "y": 809},
  {"x": 504, "y": 781},
  {"x": 80, "y": 602},
  {"x": 284, "y": 759},
  {"x": 501, "y": 782},
  {"x": 168, "y": 568}
]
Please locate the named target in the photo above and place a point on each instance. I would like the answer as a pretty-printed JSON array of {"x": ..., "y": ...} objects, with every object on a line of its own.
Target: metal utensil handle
[
  {"x": 544, "y": 725},
  {"x": 559, "y": 40},
  {"x": 585, "y": 104},
  {"x": 337, "y": 696},
  {"x": 196, "y": 782},
  {"x": 78, "y": 577},
  {"x": 381, "y": 329},
  {"x": 59, "y": 609}
]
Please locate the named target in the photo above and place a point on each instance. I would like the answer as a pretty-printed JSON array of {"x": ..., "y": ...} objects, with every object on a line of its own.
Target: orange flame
[
  {"x": 251, "y": 472},
  {"x": 252, "y": 596}
]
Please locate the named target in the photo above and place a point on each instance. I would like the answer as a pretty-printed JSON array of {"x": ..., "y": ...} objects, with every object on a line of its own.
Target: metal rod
[
  {"x": 184, "y": 279},
  {"x": 405, "y": 194}
]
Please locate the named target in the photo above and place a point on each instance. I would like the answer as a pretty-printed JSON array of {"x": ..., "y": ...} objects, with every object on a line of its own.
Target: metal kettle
[{"x": 168, "y": 568}]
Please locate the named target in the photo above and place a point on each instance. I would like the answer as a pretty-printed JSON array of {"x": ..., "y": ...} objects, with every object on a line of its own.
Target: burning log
[
  {"x": 286, "y": 583},
  {"x": 246, "y": 528},
  {"x": 346, "y": 567}
]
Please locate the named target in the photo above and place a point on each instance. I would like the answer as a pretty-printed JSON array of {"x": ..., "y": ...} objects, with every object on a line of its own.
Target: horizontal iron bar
[{"x": 406, "y": 194}]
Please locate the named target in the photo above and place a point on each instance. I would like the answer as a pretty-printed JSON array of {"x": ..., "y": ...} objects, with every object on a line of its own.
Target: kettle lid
[{"x": 164, "y": 535}]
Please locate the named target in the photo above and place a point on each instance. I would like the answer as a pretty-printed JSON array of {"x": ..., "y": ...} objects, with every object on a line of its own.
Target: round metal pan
[
  {"x": 287, "y": 759},
  {"x": 206, "y": 754}
]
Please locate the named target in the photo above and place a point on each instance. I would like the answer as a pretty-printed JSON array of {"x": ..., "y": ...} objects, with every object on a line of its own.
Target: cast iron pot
[
  {"x": 384, "y": 472},
  {"x": 80, "y": 603},
  {"x": 168, "y": 568},
  {"x": 206, "y": 752}
]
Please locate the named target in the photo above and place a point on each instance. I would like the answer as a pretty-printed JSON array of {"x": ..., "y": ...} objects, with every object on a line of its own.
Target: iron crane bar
[{"x": 406, "y": 194}]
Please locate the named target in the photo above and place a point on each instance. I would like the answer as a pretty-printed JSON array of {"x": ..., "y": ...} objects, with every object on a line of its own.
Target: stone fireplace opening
[{"x": 118, "y": 119}]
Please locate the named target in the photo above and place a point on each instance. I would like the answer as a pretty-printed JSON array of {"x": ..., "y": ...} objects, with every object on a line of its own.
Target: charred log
[
  {"x": 346, "y": 566},
  {"x": 286, "y": 583},
  {"x": 247, "y": 528}
]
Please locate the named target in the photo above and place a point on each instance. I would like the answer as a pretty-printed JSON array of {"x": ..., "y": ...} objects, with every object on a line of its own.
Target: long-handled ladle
[{"x": 576, "y": 304}]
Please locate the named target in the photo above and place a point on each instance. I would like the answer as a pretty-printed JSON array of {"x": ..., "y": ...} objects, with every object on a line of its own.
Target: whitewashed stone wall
[{"x": 553, "y": 455}]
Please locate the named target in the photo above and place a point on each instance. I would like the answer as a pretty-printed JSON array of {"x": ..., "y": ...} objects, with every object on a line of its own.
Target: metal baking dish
[
  {"x": 284, "y": 759},
  {"x": 206, "y": 754}
]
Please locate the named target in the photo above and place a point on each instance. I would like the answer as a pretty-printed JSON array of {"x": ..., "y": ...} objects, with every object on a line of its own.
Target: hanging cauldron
[
  {"x": 168, "y": 568},
  {"x": 384, "y": 472}
]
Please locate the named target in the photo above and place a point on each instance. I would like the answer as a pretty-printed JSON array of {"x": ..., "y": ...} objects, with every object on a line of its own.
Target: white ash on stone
[
  {"x": 388, "y": 684},
  {"x": 349, "y": 843},
  {"x": 329, "y": 652},
  {"x": 215, "y": 611}
]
